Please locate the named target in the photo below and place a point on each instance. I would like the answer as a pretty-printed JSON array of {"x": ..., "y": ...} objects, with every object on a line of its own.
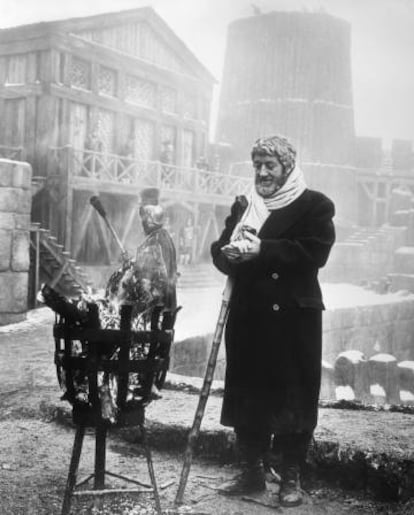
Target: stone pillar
[
  {"x": 15, "y": 205},
  {"x": 351, "y": 370},
  {"x": 383, "y": 371}
]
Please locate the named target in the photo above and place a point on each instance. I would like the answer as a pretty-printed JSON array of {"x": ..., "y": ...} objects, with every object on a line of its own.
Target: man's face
[{"x": 269, "y": 175}]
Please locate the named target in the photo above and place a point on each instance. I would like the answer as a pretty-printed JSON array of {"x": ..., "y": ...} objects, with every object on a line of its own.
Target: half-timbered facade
[{"x": 104, "y": 104}]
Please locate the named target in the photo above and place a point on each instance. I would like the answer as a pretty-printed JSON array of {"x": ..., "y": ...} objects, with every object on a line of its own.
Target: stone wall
[
  {"x": 15, "y": 205},
  {"x": 386, "y": 327}
]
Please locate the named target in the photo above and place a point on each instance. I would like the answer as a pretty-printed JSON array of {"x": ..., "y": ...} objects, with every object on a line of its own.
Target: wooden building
[{"x": 105, "y": 104}]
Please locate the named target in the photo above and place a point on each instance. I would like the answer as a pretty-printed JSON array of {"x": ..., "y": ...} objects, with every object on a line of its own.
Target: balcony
[{"x": 98, "y": 171}]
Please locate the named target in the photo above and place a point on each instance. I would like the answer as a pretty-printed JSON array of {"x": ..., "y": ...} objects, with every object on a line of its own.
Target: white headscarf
[{"x": 259, "y": 208}]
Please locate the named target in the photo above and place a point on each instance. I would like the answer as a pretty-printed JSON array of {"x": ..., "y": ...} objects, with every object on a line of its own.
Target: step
[{"x": 53, "y": 257}]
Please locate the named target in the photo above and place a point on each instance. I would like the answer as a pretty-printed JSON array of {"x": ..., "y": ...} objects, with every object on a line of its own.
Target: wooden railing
[
  {"x": 113, "y": 168},
  {"x": 381, "y": 379}
]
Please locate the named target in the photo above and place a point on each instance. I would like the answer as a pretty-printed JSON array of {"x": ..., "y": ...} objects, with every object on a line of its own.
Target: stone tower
[{"x": 289, "y": 73}]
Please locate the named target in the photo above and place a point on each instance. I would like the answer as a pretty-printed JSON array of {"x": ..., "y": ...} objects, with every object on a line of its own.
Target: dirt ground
[{"x": 34, "y": 460}]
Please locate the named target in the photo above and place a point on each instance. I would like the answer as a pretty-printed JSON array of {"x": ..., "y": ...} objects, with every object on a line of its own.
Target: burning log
[
  {"x": 114, "y": 350},
  {"x": 97, "y": 352}
]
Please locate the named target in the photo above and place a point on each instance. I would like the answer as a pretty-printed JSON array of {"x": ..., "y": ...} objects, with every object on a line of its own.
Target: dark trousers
[{"x": 256, "y": 443}]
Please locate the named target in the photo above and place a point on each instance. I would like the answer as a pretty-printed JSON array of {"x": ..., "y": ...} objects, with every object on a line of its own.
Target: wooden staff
[
  {"x": 205, "y": 391},
  {"x": 97, "y": 204}
]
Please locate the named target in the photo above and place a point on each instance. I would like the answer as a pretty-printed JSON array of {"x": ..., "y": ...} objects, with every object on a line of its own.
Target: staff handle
[{"x": 205, "y": 391}]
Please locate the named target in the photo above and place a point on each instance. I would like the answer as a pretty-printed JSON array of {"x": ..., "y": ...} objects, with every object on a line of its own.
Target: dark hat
[{"x": 150, "y": 196}]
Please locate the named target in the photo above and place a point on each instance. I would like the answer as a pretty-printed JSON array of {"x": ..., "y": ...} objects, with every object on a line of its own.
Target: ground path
[{"x": 35, "y": 444}]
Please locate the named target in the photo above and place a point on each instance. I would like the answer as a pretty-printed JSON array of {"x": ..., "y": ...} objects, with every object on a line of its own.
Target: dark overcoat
[{"x": 274, "y": 329}]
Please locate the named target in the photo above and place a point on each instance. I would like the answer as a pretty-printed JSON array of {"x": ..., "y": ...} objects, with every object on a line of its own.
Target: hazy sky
[{"x": 382, "y": 44}]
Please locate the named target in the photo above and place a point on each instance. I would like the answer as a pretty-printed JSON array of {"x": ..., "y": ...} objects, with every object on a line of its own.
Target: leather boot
[
  {"x": 272, "y": 466},
  {"x": 251, "y": 446},
  {"x": 290, "y": 490},
  {"x": 250, "y": 481}
]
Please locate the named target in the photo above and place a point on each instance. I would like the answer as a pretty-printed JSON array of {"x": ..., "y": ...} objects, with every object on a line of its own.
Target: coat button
[
  {"x": 276, "y": 307},
  {"x": 275, "y": 275}
]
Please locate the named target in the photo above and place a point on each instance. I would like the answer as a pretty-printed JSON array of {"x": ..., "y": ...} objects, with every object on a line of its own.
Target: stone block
[
  {"x": 21, "y": 221},
  {"x": 6, "y": 175},
  {"x": 15, "y": 200},
  {"x": 7, "y": 221},
  {"x": 406, "y": 375},
  {"x": 384, "y": 372},
  {"x": 22, "y": 176},
  {"x": 5, "y": 249},
  {"x": 15, "y": 174},
  {"x": 13, "y": 292},
  {"x": 20, "y": 261},
  {"x": 25, "y": 202}
]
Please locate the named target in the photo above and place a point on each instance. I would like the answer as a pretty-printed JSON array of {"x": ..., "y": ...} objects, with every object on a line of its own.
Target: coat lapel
[{"x": 280, "y": 220}]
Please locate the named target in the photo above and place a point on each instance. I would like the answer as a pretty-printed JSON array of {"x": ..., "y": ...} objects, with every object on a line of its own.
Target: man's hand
[
  {"x": 242, "y": 250},
  {"x": 251, "y": 248},
  {"x": 231, "y": 252}
]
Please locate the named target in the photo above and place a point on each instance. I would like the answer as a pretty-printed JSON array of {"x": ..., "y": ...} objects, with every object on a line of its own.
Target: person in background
[
  {"x": 273, "y": 334},
  {"x": 157, "y": 253},
  {"x": 187, "y": 238},
  {"x": 151, "y": 278}
]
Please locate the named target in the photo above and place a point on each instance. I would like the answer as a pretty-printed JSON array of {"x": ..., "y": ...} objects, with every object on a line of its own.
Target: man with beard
[{"x": 272, "y": 253}]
